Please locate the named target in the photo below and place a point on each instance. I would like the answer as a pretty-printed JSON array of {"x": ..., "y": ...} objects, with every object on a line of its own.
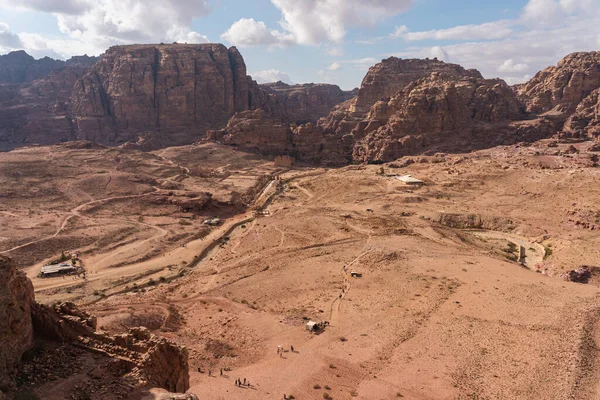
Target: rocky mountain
[
  {"x": 307, "y": 102},
  {"x": 19, "y": 67},
  {"x": 408, "y": 107},
  {"x": 149, "y": 96},
  {"x": 177, "y": 91}
]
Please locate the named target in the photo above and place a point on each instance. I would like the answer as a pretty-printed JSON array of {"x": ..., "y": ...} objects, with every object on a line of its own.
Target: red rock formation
[
  {"x": 585, "y": 122},
  {"x": 178, "y": 91},
  {"x": 430, "y": 110},
  {"x": 383, "y": 81},
  {"x": 151, "y": 359},
  {"x": 305, "y": 103},
  {"x": 38, "y": 112},
  {"x": 562, "y": 87},
  {"x": 16, "y": 333}
]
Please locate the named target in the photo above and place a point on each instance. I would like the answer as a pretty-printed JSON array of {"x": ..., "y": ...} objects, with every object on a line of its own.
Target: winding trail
[{"x": 75, "y": 212}]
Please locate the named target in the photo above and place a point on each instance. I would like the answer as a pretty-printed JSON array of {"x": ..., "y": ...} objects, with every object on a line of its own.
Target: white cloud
[
  {"x": 8, "y": 40},
  {"x": 98, "y": 24},
  {"x": 486, "y": 31},
  {"x": 510, "y": 66},
  {"x": 53, "y": 6},
  {"x": 314, "y": 22},
  {"x": 547, "y": 12},
  {"x": 271, "y": 75},
  {"x": 248, "y": 32},
  {"x": 318, "y": 21},
  {"x": 334, "y": 67},
  {"x": 534, "y": 49}
]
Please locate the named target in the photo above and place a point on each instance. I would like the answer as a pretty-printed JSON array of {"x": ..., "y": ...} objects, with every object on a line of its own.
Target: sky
[{"x": 331, "y": 41}]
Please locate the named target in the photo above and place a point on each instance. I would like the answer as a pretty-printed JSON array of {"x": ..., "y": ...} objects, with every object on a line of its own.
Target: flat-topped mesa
[
  {"x": 177, "y": 90},
  {"x": 383, "y": 81},
  {"x": 562, "y": 87}
]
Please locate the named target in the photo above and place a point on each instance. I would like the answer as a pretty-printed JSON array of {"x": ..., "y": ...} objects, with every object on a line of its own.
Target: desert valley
[{"x": 170, "y": 226}]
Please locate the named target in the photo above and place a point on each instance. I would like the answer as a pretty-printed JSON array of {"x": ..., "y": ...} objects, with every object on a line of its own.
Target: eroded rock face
[
  {"x": 431, "y": 109},
  {"x": 383, "y": 81},
  {"x": 16, "y": 332},
  {"x": 177, "y": 90},
  {"x": 563, "y": 87},
  {"x": 305, "y": 103},
  {"x": 585, "y": 122},
  {"x": 152, "y": 360},
  {"x": 257, "y": 131}
]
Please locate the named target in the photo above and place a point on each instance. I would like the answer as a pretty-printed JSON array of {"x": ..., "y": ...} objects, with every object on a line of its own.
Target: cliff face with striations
[
  {"x": 38, "y": 112},
  {"x": 178, "y": 91},
  {"x": 407, "y": 107}
]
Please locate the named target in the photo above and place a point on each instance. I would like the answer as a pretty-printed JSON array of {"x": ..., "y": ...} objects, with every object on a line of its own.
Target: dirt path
[{"x": 75, "y": 212}]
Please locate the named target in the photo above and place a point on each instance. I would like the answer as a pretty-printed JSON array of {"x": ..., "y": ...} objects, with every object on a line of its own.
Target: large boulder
[{"x": 16, "y": 331}]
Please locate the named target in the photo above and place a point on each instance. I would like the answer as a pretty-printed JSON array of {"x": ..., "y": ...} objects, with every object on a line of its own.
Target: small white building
[
  {"x": 57, "y": 269},
  {"x": 409, "y": 180}
]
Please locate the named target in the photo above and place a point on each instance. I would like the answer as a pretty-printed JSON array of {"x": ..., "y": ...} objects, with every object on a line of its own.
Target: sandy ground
[{"x": 439, "y": 312}]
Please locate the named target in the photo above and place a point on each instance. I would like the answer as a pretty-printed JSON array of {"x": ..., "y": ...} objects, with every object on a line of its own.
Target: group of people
[
  {"x": 280, "y": 350},
  {"x": 239, "y": 383}
]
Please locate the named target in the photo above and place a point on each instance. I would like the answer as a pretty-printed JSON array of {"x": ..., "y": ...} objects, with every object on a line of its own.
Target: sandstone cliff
[
  {"x": 38, "y": 112},
  {"x": 562, "y": 87},
  {"x": 176, "y": 90},
  {"x": 585, "y": 122},
  {"x": 305, "y": 103},
  {"x": 16, "y": 332},
  {"x": 439, "y": 111},
  {"x": 411, "y": 106},
  {"x": 383, "y": 80}
]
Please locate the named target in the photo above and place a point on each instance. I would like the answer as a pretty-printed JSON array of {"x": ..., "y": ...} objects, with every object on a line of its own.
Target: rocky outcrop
[
  {"x": 16, "y": 333},
  {"x": 257, "y": 131},
  {"x": 20, "y": 67},
  {"x": 562, "y": 87},
  {"x": 179, "y": 91},
  {"x": 383, "y": 81},
  {"x": 305, "y": 103},
  {"x": 151, "y": 359},
  {"x": 434, "y": 112},
  {"x": 585, "y": 122}
]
